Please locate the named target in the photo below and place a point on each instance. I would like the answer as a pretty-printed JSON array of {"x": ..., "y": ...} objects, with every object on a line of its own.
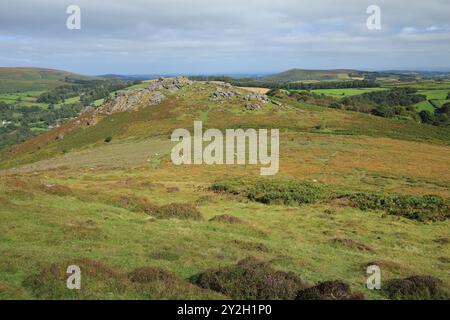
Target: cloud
[{"x": 196, "y": 36}]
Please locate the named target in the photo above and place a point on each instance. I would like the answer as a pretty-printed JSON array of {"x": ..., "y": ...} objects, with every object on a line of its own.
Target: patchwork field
[{"x": 341, "y": 93}]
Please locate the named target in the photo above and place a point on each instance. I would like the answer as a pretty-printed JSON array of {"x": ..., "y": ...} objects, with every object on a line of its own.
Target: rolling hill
[
  {"x": 23, "y": 79},
  {"x": 101, "y": 192},
  {"x": 293, "y": 75}
]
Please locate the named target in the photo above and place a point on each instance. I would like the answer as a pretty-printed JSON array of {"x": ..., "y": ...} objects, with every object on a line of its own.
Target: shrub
[
  {"x": 229, "y": 186},
  {"x": 251, "y": 279},
  {"x": 172, "y": 189},
  {"x": 203, "y": 200},
  {"x": 416, "y": 288},
  {"x": 178, "y": 211},
  {"x": 149, "y": 274},
  {"x": 97, "y": 278},
  {"x": 108, "y": 139},
  {"x": 284, "y": 192},
  {"x": 156, "y": 283},
  {"x": 56, "y": 189},
  {"x": 327, "y": 290},
  {"x": 136, "y": 204},
  {"x": 421, "y": 208}
]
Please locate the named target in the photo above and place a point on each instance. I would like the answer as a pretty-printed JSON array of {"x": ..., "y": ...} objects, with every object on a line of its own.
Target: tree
[{"x": 426, "y": 116}]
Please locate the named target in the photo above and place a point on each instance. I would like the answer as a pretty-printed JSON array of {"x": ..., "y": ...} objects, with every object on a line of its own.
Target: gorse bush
[
  {"x": 285, "y": 192},
  {"x": 291, "y": 192},
  {"x": 422, "y": 208},
  {"x": 234, "y": 186}
]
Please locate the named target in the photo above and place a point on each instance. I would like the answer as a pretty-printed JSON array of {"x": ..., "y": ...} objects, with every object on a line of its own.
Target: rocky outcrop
[
  {"x": 256, "y": 97},
  {"x": 254, "y": 101},
  {"x": 133, "y": 100},
  {"x": 156, "y": 98},
  {"x": 220, "y": 94}
]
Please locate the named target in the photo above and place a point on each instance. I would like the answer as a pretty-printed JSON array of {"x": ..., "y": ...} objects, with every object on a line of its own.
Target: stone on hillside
[
  {"x": 252, "y": 106},
  {"x": 156, "y": 98}
]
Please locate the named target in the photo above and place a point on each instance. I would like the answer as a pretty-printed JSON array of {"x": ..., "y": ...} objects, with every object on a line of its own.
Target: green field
[
  {"x": 341, "y": 93},
  {"x": 24, "y": 99},
  {"x": 425, "y": 105}
]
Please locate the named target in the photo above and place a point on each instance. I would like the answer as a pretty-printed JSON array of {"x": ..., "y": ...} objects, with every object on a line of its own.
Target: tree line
[
  {"x": 88, "y": 91},
  {"x": 248, "y": 82}
]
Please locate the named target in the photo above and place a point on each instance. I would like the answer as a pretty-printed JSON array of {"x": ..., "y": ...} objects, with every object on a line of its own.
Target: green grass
[
  {"x": 13, "y": 80},
  {"x": 341, "y": 93},
  {"x": 81, "y": 198},
  {"x": 425, "y": 105},
  {"x": 435, "y": 94},
  {"x": 39, "y": 229},
  {"x": 24, "y": 99}
]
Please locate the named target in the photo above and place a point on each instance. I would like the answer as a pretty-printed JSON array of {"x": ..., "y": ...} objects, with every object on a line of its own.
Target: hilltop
[
  {"x": 20, "y": 79},
  {"x": 293, "y": 75},
  {"x": 101, "y": 191}
]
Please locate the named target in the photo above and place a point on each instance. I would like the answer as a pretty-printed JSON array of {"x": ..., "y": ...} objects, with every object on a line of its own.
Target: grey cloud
[{"x": 223, "y": 36}]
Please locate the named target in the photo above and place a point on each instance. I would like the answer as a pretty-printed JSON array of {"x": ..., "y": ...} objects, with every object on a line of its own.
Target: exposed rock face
[
  {"x": 170, "y": 84},
  {"x": 254, "y": 100},
  {"x": 156, "y": 98},
  {"x": 257, "y": 96},
  {"x": 221, "y": 94},
  {"x": 133, "y": 100}
]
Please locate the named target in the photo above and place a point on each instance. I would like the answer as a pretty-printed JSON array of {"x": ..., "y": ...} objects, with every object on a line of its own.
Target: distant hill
[
  {"x": 131, "y": 77},
  {"x": 35, "y": 79},
  {"x": 315, "y": 75}
]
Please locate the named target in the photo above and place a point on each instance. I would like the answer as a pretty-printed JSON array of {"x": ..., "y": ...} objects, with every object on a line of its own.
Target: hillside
[
  {"x": 293, "y": 75},
  {"x": 34, "y": 79},
  {"x": 101, "y": 191}
]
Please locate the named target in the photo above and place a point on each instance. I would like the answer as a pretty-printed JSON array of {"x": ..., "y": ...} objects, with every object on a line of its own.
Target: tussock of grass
[
  {"x": 251, "y": 246},
  {"x": 136, "y": 204},
  {"x": 97, "y": 278},
  {"x": 83, "y": 230},
  {"x": 251, "y": 279},
  {"x": 178, "y": 211},
  {"x": 99, "y": 281},
  {"x": 149, "y": 274},
  {"x": 56, "y": 189},
  {"x": 226, "y": 218},
  {"x": 156, "y": 283},
  {"x": 172, "y": 189},
  {"x": 352, "y": 244}
]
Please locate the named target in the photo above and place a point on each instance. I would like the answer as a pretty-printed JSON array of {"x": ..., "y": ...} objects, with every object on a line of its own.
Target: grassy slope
[
  {"x": 350, "y": 151},
  {"x": 14, "y": 80}
]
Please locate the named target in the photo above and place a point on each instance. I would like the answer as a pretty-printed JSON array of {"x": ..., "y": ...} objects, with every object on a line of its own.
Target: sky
[{"x": 224, "y": 37}]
